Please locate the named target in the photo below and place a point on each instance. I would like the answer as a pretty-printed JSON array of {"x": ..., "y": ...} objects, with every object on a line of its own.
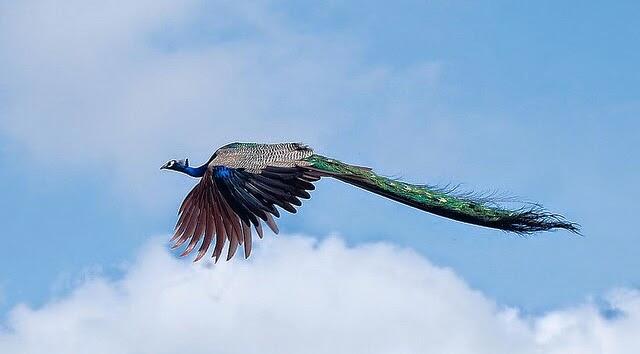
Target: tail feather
[{"x": 464, "y": 208}]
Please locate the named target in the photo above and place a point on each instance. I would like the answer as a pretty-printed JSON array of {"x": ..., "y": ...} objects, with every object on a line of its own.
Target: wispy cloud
[
  {"x": 297, "y": 295},
  {"x": 120, "y": 84}
]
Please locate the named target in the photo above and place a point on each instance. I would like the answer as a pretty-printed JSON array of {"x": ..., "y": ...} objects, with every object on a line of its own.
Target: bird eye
[{"x": 171, "y": 163}]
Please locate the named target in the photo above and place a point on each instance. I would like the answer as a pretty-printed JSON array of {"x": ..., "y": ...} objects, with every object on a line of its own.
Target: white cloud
[{"x": 299, "y": 296}]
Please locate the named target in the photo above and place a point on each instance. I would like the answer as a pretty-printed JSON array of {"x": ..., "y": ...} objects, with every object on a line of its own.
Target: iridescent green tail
[{"x": 477, "y": 211}]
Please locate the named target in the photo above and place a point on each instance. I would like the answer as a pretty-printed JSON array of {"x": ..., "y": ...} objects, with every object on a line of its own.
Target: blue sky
[{"x": 538, "y": 100}]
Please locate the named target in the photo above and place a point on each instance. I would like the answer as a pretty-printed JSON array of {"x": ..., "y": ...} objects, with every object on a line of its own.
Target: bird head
[{"x": 176, "y": 165}]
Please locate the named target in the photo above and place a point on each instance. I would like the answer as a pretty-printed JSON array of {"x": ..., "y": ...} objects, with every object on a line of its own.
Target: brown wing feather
[
  {"x": 220, "y": 231},
  {"x": 217, "y": 209},
  {"x": 209, "y": 228}
]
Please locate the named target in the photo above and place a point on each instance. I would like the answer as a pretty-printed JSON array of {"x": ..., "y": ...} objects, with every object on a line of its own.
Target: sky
[{"x": 537, "y": 100}]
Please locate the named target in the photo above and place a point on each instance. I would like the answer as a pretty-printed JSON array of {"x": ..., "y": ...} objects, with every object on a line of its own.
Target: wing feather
[
  {"x": 228, "y": 202},
  {"x": 221, "y": 232},
  {"x": 193, "y": 210},
  {"x": 272, "y": 224},
  {"x": 246, "y": 232},
  {"x": 209, "y": 229},
  {"x": 200, "y": 225},
  {"x": 233, "y": 225}
]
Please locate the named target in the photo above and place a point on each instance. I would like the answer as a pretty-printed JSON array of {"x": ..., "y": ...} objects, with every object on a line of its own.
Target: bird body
[{"x": 242, "y": 183}]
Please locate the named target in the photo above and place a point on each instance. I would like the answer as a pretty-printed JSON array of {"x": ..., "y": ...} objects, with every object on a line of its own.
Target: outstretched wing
[{"x": 241, "y": 188}]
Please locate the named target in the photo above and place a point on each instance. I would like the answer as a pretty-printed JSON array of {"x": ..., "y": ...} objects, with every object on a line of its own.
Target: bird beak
[{"x": 165, "y": 166}]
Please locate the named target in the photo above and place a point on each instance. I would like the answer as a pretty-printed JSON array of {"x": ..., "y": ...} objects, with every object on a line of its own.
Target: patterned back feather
[{"x": 255, "y": 157}]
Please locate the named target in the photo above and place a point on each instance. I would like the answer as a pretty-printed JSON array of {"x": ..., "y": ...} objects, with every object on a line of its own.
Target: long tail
[{"x": 477, "y": 211}]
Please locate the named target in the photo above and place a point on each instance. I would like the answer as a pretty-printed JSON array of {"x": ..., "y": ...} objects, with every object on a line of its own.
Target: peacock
[{"x": 242, "y": 184}]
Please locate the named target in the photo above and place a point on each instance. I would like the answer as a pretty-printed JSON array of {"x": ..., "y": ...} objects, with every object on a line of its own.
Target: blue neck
[{"x": 194, "y": 171}]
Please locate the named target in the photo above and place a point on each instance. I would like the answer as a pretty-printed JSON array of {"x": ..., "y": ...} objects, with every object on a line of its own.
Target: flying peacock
[{"x": 242, "y": 183}]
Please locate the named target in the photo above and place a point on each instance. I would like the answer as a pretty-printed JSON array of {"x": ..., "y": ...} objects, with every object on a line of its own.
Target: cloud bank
[{"x": 299, "y": 295}]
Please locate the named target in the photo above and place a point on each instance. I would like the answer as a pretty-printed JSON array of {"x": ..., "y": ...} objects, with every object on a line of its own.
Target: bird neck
[{"x": 194, "y": 171}]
